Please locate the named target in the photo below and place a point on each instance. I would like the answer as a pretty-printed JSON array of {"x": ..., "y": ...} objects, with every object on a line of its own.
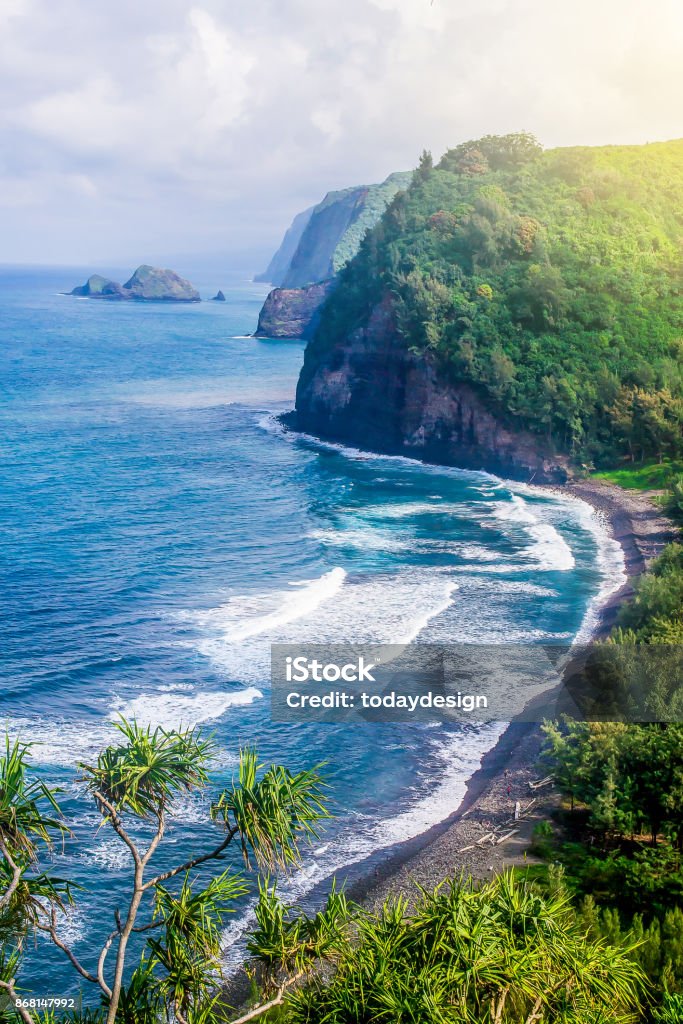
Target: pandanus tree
[
  {"x": 264, "y": 814},
  {"x": 502, "y": 953}
]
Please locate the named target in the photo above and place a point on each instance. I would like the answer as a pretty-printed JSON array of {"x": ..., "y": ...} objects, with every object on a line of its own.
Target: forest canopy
[{"x": 550, "y": 280}]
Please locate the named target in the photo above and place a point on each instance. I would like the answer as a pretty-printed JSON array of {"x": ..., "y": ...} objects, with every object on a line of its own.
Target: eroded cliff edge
[
  {"x": 292, "y": 312},
  {"x": 371, "y": 392}
]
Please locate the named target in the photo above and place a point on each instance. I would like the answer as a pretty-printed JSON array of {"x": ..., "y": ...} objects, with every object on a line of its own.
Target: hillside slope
[{"x": 515, "y": 309}]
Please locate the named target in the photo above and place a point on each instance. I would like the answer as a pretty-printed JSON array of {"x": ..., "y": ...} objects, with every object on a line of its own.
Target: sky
[{"x": 146, "y": 132}]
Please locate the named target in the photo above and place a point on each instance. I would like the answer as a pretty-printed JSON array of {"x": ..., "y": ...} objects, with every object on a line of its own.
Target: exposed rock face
[
  {"x": 292, "y": 312},
  {"x": 219, "y": 296},
  {"x": 98, "y": 287},
  {"x": 148, "y": 284},
  {"x": 319, "y": 243},
  {"x": 371, "y": 392},
  {"x": 152, "y": 284},
  {"x": 335, "y": 229},
  {"x": 279, "y": 265}
]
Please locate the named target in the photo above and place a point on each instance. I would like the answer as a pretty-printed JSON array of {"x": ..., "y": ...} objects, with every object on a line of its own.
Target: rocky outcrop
[
  {"x": 152, "y": 284},
  {"x": 370, "y": 391},
  {"x": 292, "y": 312},
  {"x": 148, "y": 284},
  {"x": 219, "y": 296},
  {"x": 319, "y": 243},
  {"x": 98, "y": 287}
]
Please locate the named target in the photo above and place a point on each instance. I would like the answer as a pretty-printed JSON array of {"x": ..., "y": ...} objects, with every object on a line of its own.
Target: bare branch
[
  {"x": 275, "y": 1001},
  {"x": 51, "y": 930},
  {"x": 179, "y": 1017},
  {"x": 189, "y": 864},
  {"x": 149, "y": 927},
  {"x": 12, "y": 992},
  {"x": 117, "y": 825},
  {"x": 100, "y": 963},
  {"x": 16, "y": 870},
  {"x": 161, "y": 824}
]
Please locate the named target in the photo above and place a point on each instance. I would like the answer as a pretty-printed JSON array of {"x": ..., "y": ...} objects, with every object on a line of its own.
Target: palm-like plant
[
  {"x": 29, "y": 820},
  {"x": 272, "y": 811},
  {"x": 495, "y": 955},
  {"x": 266, "y": 813}
]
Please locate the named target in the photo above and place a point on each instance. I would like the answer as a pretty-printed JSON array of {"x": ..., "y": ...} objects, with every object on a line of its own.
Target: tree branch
[
  {"x": 275, "y": 1001},
  {"x": 12, "y": 992},
  {"x": 51, "y": 930},
  {"x": 113, "y": 816},
  {"x": 16, "y": 870},
  {"x": 149, "y": 853},
  {"x": 189, "y": 864},
  {"x": 100, "y": 963}
]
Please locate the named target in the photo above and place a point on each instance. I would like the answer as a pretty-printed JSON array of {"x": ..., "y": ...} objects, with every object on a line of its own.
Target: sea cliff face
[
  {"x": 370, "y": 391},
  {"x": 318, "y": 244},
  {"x": 292, "y": 312}
]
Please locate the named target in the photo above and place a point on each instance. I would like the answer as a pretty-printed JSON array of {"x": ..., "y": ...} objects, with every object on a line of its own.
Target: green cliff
[
  {"x": 539, "y": 289},
  {"x": 336, "y": 228}
]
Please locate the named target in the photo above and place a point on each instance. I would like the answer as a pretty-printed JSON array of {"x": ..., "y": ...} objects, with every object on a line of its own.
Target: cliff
[
  {"x": 318, "y": 244},
  {"x": 512, "y": 304},
  {"x": 335, "y": 229},
  {"x": 279, "y": 265},
  {"x": 292, "y": 312},
  {"x": 371, "y": 392},
  {"x": 147, "y": 284}
]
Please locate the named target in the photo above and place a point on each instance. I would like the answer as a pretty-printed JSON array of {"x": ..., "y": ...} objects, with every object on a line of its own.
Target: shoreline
[{"x": 641, "y": 530}]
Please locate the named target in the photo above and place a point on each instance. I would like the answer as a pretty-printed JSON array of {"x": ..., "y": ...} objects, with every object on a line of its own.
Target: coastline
[{"x": 639, "y": 527}]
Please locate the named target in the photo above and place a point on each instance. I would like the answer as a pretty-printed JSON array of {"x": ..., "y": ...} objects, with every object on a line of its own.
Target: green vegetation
[
  {"x": 551, "y": 281},
  {"x": 648, "y": 476},
  {"x": 172, "y": 973},
  {"x": 498, "y": 954},
  {"x": 622, "y": 853},
  {"x": 335, "y": 229}
]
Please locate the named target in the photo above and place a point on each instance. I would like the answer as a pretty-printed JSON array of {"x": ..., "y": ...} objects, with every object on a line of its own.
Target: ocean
[{"x": 161, "y": 530}]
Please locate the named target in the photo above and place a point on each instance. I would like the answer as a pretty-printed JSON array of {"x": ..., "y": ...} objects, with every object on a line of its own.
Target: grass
[{"x": 646, "y": 476}]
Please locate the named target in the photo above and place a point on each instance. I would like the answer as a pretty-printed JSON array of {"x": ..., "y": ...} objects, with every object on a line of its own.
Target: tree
[{"x": 134, "y": 783}]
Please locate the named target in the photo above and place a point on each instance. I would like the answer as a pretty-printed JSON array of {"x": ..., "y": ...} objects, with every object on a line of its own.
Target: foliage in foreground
[
  {"x": 625, "y": 786},
  {"x": 134, "y": 785},
  {"x": 499, "y": 954}
]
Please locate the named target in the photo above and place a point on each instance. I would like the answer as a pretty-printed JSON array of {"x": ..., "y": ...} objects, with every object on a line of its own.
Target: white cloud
[{"x": 191, "y": 123}]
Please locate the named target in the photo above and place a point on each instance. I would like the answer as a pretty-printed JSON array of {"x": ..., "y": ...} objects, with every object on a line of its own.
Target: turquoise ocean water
[{"x": 160, "y": 531}]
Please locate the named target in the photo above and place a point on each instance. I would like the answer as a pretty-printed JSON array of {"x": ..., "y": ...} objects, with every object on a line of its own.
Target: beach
[{"x": 508, "y": 772}]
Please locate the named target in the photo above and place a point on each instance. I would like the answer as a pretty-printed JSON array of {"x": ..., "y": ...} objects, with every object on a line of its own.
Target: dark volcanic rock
[
  {"x": 152, "y": 284},
  {"x": 371, "y": 392},
  {"x": 292, "y": 312},
  {"x": 219, "y": 296}
]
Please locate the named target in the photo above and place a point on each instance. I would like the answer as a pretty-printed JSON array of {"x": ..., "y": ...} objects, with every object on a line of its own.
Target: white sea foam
[
  {"x": 175, "y": 710},
  {"x": 60, "y": 742},
  {"x": 390, "y": 608},
  {"x": 549, "y": 549},
  {"x": 245, "y": 617},
  {"x": 110, "y": 855},
  {"x": 365, "y": 538}
]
